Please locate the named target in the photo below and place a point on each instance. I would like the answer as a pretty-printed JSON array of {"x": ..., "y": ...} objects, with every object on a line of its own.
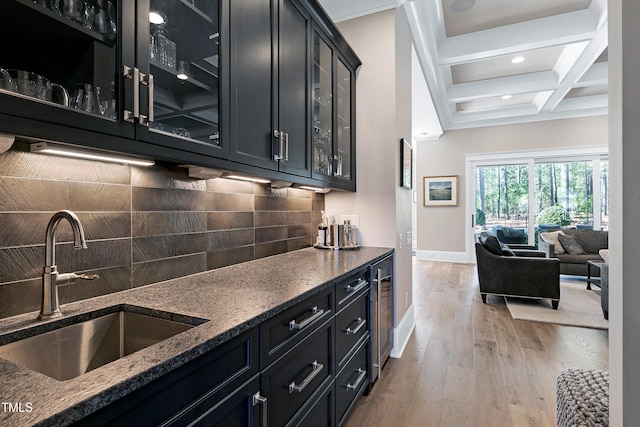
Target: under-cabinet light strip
[{"x": 42, "y": 147}]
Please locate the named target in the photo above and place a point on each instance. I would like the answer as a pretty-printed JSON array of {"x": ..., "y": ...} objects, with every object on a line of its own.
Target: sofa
[
  {"x": 502, "y": 272},
  {"x": 573, "y": 248}
]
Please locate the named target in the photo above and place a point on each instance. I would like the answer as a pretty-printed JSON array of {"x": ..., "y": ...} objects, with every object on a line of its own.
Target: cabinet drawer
[
  {"x": 321, "y": 411},
  {"x": 347, "y": 289},
  {"x": 351, "y": 383},
  {"x": 282, "y": 332},
  {"x": 291, "y": 383},
  {"x": 187, "y": 392},
  {"x": 352, "y": 326}
]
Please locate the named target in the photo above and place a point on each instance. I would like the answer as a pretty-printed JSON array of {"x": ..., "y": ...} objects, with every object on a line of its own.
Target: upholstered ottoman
[{"x": 582, "y": 397}]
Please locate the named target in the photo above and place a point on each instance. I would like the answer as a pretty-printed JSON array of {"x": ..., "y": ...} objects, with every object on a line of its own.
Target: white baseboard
[
  {"x": 459, "y": 257},
  {"x": 402, "y": 333}
]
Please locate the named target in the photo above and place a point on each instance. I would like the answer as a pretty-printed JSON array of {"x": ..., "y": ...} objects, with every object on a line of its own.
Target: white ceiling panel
[{"x": 466, "y": 56}]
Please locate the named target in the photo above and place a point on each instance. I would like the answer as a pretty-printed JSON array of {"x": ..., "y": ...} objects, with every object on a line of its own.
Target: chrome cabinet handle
[
  {"x": 280, "y": 135},
  {"x": 315, "y": 370},
  {"x": 383, "y": 279},
  {"x": 315, "y": 314},
  {"x": 286, "y": 147},
  {"x": 133, "y": 74},
  {"x": 361, "y": 323},
  {"x": 147, "y": 80},
  {"x": 260, "y": 400},
  {"x": 361, "y": 374},
  {"x": 360, "y": 285}
]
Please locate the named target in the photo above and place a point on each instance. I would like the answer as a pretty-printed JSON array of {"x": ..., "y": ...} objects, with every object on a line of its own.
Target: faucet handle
[{"x": 70, "y": 278}]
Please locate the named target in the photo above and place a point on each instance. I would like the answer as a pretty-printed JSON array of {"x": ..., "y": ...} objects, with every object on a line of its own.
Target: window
[{"x": 517, "y": 195}]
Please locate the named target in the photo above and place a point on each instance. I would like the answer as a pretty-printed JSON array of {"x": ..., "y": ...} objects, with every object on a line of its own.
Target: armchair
[{"x": 512, "y": 275}]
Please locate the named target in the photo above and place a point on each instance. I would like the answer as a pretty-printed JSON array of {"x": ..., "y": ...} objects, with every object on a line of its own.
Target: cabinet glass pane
[
  {"x": 343, "y": 161},
  {"x": 184, "y": 61},
  {"x": 322, "y": 107},
  {"x": 61, "y": 53}
]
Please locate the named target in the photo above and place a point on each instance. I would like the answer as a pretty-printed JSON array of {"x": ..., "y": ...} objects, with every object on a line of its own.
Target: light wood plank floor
[{"x": 469, "y": 364}]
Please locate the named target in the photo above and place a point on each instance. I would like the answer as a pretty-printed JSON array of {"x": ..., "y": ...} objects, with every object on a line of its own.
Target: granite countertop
[{"x": 233, "y": 299}]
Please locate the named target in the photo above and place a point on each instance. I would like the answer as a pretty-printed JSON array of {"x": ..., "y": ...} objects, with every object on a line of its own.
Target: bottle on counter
[{"x": 322, "y": 231}]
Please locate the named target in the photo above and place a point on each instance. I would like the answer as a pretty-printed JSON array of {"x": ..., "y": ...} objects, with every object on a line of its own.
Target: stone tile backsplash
[{"x": 142, "y": 225}]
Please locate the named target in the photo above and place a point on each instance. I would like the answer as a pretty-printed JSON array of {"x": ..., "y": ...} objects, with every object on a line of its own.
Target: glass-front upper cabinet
[
  {"x": 333, "y": 156},
  {"x": 181, "y": 54},
  {"x": 59, "y": 62},
  {"x": 344, "y": 146},
  {"x": 322, "y": 107}
]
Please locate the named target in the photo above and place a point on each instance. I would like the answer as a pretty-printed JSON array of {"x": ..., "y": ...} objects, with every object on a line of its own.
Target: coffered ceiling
[{"x": 467, "y": 51}]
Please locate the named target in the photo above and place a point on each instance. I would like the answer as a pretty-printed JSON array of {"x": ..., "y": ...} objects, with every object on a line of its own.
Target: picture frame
[
  {"x": 406, "y": 164},
  {"x": 441, "y": 190}
]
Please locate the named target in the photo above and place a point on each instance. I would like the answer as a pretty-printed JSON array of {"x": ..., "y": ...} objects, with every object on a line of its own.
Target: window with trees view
[{"x": 563, "y": 193}]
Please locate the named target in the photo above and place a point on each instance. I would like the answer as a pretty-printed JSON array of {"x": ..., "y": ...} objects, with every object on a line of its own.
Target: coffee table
[{"x": 593, "y": 280}]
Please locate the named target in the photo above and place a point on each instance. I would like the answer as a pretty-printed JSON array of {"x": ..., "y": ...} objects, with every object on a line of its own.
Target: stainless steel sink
[{"x": 71, "y": 351}]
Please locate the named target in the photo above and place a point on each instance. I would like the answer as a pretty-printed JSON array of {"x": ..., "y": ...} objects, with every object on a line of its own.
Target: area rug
[{"x": 578, "y": 307}]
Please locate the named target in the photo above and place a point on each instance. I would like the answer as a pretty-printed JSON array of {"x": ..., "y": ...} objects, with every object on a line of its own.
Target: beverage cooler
[{"x": 381, "y": 315}]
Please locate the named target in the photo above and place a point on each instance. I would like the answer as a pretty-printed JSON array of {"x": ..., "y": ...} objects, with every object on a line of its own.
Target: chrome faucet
[{"x": 51, "y": 279}]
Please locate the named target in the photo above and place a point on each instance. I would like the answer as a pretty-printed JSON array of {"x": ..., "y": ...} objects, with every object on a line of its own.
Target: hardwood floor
[{"x": 469, "y": 364}]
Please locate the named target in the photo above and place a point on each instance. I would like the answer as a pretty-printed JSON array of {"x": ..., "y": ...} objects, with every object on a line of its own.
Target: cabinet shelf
[
  {"x": 167, "y": 77},
  {"x": 43, "y": 20}
]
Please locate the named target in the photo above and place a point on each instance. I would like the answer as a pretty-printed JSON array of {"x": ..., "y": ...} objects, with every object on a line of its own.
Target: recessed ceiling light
[
  {"x": 517, "y": 59},
  {"x": 507, "y": 96},
  {"x": 462, "y": 5}
]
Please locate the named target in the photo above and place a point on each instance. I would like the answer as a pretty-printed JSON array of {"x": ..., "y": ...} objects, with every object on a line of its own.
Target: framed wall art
[
  {"x": 406, "y": 164},
  {"x": 441, "y": 190}
]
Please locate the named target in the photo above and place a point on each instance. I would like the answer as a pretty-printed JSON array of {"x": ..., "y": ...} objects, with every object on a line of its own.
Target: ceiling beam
[
  {"x": 511, "y": 85},
  {"x": 555, "y": 30}
]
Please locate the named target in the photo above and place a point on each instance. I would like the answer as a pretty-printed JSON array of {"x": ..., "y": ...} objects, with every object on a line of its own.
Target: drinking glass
[
  {"x": 55, "y": 6},
  {"x": 71, "y": 9},
  {"x": 88, "y": 12},
  {"x": 100, "y": 18}
]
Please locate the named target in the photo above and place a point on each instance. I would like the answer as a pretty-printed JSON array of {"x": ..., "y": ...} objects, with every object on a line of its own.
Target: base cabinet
[{"x": 306, "y": 366}]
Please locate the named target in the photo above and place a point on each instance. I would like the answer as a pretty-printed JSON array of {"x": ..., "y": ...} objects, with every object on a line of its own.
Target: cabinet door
[
  {"x": 180, "y": 49},
  {"x": 61, "y": 66},
  {"x": 293, "y": 88},
  {"x": 344, "y": 152},
  {"x": 322, "y": 108},
  {"x": 251, "y": 101}
]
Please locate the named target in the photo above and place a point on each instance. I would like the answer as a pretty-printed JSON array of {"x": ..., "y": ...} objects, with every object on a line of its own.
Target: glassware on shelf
[
  {"x": 162, "y": 49},
  {"x": 100, "y": 18},
  {"x": 55, "y": 6},
  {"x": 71, "y": 9},
  {"x": 87, "y": 15},
  {"x": 112, "y": 29}
]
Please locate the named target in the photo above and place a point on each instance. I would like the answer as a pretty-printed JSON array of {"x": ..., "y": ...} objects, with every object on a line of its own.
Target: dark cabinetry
[
  {"x": 102, "y": 67},
  {"x": 269, "y": 99},
  {"x": 224, "y": 84},
  {"x": 210, "y": 387},
  {"x": 333, "y": 115},
  {"x": 352, "y": 341},
  {"x": 305, "y": 366}
]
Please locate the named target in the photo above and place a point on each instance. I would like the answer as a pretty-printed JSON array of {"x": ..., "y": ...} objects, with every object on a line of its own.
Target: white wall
[
  {"x": 624, "y": 234},
  {"x": 383, "y": 43},
  {"x": 442, "y": 230}
]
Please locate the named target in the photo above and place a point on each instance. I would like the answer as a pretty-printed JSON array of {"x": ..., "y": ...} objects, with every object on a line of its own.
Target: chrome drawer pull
[
  {"x": 257, "y": 399},
  {"x": 361, "y": 374},
  {"x": 316, "y": 314},
  {"x": 361, "y": 323},
  {"x": 360, "y": 285},
  {"x": 316, "y": 368}
]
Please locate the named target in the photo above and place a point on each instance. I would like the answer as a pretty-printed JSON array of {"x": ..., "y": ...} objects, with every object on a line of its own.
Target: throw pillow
[
  {"x": 491, "y": 243},
  {"x": 604, "y": 254},
  {"x": 570, "y": 244},
  {"x": 552, "y": 238},
  {"x": 506, "y": 250}
]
